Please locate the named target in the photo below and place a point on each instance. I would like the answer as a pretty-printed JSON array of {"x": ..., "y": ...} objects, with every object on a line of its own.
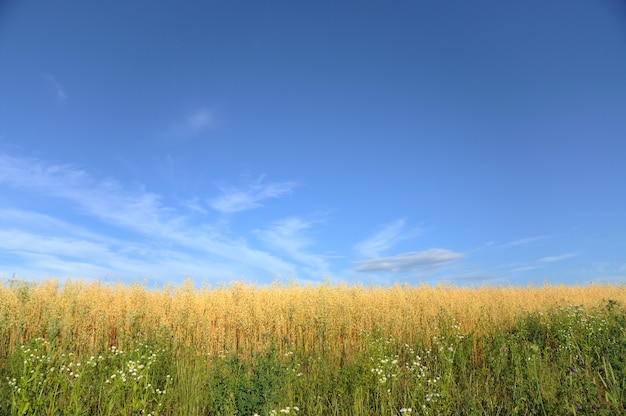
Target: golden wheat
[{"x": 245, "y": 318}]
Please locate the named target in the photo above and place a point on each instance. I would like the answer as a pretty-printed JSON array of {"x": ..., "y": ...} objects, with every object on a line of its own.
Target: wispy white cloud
[
  {"x": 524, "y": 241},
  {"x": 550, "y": 259},
  {"x": 525, "y": 268},
  {"x": 477, "y": 278},
  {"x": 106, "y": 200},
  {"x": 132, "y": 211},
  {"x": 540, "y": 263},
  {"x": 408, "y": 262},
  {"x": 29, "y": 220},
  {"x": 193, "y": 123},
  {"x": 38, "y": 243},
  {"x": 27, "y": 242},
  {"x": 386, "y": 238},
  {"x": 61, "y": 95},
  {"x": 45, "y": 255},
  {"x": 193, "y": 204},
  {"x": 236, "y": 200},
  {"x": 288, "y": 236}
]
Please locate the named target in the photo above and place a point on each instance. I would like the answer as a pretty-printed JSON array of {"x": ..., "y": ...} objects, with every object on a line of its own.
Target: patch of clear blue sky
[{"x": 375, "y": 142}]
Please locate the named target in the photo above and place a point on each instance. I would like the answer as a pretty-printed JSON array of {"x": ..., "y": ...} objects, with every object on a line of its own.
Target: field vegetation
[{"x": 88, "y": 348}]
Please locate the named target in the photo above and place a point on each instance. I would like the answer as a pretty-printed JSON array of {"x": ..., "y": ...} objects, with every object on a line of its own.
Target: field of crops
[{"x": 84, "y": 348}]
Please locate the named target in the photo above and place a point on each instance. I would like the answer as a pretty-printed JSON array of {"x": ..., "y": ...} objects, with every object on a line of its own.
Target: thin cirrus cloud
[
  {"x": 44, "y": 255},
  {"x": 39, "y": 243},
  {"x": 193, "y": 123},
  {"x": 235, "y": 200},
  {"x": 63, "y": 246},
  {"x": 134, "y": 212},
  {"x": 550, "y": 259},
  {"x": 524, "y": 269},
  {"x": 288, "y": 236},
  {"x": 541, "y": 263},
  {"x": 475, "y": 278},
  {"x": 193, "y": 204},
  {"x": 390, "y": 235},
  {"x": 524, "y": 241},
  {"x": 106, "y": 200},
  {"x": 58, "y": 88},
  {"x": 408, "y": 262}
]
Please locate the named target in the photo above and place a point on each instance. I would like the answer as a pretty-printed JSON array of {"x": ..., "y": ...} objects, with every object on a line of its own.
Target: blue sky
[{"x": 368, "y": 142}]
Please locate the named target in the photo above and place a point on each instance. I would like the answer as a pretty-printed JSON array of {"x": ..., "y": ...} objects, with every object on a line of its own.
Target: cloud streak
[
  {"x": 408, "y": 262},
  {"x": 237, "y": 200},
  {"x": 551, "y": 259},
  {"x": 389, "y": 236},
  {"x": 288, "y": 236},
  {"x": 135, "y": 212},
  {"x": 58, "y": 88},
  {"x": 525, "y": 241},
  {"x": 525, "y": 268},
  {"x": 193, "y": 124}
]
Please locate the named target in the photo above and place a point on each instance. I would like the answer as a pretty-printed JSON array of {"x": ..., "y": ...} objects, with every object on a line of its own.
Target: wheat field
[
  {"x": 242, "y": 317},
  {"x": 84, "y": 348}
]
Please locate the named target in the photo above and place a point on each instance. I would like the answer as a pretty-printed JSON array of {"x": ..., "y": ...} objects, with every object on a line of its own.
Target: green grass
[{"x": 568, "y": 362}]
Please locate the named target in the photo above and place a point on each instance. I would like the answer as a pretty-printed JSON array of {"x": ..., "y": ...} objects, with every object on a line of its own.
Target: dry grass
[{"x": 244, "y": 318}]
